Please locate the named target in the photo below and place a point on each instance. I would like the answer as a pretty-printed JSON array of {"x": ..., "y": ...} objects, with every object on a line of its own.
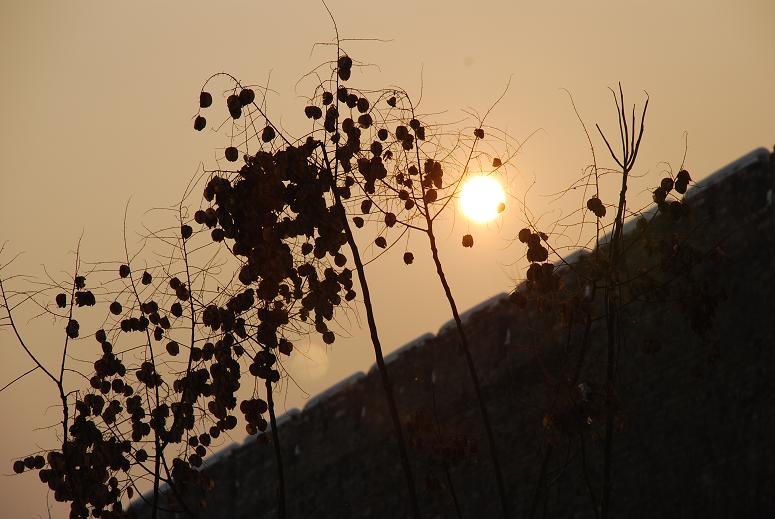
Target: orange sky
[{"x": 97, "y": 101}]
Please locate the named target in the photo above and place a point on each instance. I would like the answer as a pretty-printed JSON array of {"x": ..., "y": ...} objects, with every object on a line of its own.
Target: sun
[{"x": 482, "y": 199}]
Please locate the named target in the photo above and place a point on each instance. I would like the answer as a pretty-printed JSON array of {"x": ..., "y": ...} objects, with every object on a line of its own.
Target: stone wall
[{"x": 695, "y": 427}]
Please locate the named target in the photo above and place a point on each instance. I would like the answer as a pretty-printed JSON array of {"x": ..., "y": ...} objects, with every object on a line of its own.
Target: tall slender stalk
[
  {"x": 471, "y": 369},
  {"x": 386, "y": 383}
]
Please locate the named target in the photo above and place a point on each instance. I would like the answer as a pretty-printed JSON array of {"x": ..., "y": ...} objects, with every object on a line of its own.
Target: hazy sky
[{"x": 97, "y": 100}]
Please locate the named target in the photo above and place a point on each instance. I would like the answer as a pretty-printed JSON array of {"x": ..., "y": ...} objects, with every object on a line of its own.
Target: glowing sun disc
[{"x": 482, "y": 199}]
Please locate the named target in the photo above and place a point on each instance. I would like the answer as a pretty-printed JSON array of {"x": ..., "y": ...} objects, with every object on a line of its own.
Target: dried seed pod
[
  {"x": 173, "y": 348},
  {"x": 231, "y": 153},
  {"x": 430, "y": 196},
  {"x": 234, "y": 105},
  {"x": 358, "y": 221},
  {"x": 176, "y": 309},
  {"x": 683, "y": 176},
  {"x": 115, "y": 308},
  {"x": 392, "y": 101},
  {"x": 101, "y": 336},
  {"x": 80, "y": 282},
  {"x": 382, "y": 134},
  {"x": 327, "y": 98},
  {"x": 313, "y": 112},
  {"x": 496, "y": 162},
  {"x": 200, "y": 123},
  {"x": 363, "y": 105},
  {"x": 268, "y": 134},
  {"x": 468, "y": 241},
  {"x": 380, "y": 242},
  {"x": 147, "y": 278},
  {"x": 205, "y": 99},
  {"x": 246, "y": 96},
  {"x": 186, "y": 231},
  {"x": 390, "y": 219},
  {"x": 408, "y": 258},
  {"x": 340, "y": 260},
  {"x": 366, "y": 206},
  {"x": 61, "y": 300},
  {"x": 667, "y": 184},
  {"x": 329, "y": 337},
  {"x": 479, "y": 133},
  {"x": 365, "y": 120},
  {"x": 660, "y": 195},
  {"x": 72, "y": 329}
]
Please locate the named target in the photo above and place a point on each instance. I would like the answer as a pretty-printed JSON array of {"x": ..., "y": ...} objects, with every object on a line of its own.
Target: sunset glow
[{"x": 482, "y": 199}]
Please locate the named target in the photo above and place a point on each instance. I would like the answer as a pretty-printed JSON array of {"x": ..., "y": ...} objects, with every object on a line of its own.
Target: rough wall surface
[{"x": 695, "y": 428}]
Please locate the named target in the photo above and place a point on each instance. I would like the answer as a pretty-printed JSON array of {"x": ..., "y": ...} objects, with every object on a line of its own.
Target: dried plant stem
[{"x": 472, "y": 371}]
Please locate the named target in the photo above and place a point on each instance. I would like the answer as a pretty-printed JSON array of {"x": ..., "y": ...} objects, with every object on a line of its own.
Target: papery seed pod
[
  {"x": 72, "y": 329},
  {"x": 363, "y": 105},
  {"x": 176, "y": 309},
  {"x": 173, "y": 348},
  {"x": 382, "y": 133},
  {"x": 408, "y": 258},
  {"x": 365, "y": 120},
  {"x": 61, "y": 300},
  {"x": 380, "y": 242},
  {"x": 683, "y": 176},
  {"x": 496, "y": 162},
  {"x": 268, "y": 134},
  {"x": 246, "y": 96},
  {"x": 666, "y": 184},
  {"x": 660, "y": 195},
  {"x": 327, "y": 98},
  {"x": 392, "y": 101},
  {"x": 205, "y": 99},
  {"x": 231, "y": 153},
  {"x": 115, "y": 308},
  {"x": 358, "y": 221},
  {"x": 430, "y": 196},
  {"x": 186, "y": 231},
  {"x": 146, "y": 278},
  {"x": 329, "y": 337},
  {"x": 313, "y": 112},
  {"x": 479, "y": 133},
  {"x": 200, "y": 123},
  {"x": 101, "y": 336},
  {"x": 468, "y": 240},
  {"x": 366, "y": 206},
  {"x": 80, "y": 281},
  {"x": 390, "y": 219},
  {"x": 234, "y": 105}
]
